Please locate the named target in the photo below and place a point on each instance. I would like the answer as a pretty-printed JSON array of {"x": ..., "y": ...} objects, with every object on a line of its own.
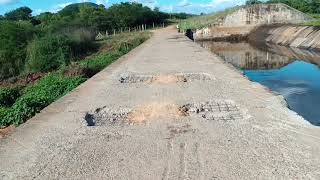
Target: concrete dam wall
[
  {"x": 305, "y": 37},
  {"x": 265, "y": 14},
  {"x": 243, "y": 21}
]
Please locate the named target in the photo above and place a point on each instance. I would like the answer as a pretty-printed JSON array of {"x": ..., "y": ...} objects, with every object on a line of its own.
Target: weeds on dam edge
[
  {"x": 205, "y": 20},
  {"x": 21, "y": 102}
]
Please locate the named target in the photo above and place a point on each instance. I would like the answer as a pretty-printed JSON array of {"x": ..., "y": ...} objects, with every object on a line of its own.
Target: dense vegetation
[
  {"x": 306, "y": 6},
  {"x": 62, "y": 48},
  {"x": 48, "y": 41}
]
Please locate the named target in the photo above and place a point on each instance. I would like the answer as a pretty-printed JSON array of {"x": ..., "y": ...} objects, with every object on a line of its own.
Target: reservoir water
[{"x": 293, "y": 73}]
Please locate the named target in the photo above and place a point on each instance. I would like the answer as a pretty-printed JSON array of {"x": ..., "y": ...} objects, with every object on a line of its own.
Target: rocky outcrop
[
  {"x": 262, "y": 14},
  {"x": 246, "y": 19}
]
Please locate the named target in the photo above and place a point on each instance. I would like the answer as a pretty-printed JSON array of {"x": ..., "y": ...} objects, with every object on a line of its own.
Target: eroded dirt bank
[
  {"x": 240, "y": 22},
  {"x": 305, "y": 37},
  {"x": 167, "y": 110}
]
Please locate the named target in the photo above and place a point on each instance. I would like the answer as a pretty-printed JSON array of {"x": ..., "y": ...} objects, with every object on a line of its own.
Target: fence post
[
  {"x": 153, "y": 25},
  {"x": 114, "y": 32}
]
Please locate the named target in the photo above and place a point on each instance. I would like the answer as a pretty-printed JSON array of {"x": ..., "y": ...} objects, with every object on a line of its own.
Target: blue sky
[{"x": 190, "y": 6}]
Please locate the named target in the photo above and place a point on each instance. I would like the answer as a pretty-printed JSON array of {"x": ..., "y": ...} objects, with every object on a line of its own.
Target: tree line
[
  {"x": 50, "y": 40},
  {"x": 306, "y": 6}
]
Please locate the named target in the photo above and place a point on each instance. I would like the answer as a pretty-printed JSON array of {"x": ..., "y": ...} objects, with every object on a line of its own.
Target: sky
[{"x": 189, "y": 6}]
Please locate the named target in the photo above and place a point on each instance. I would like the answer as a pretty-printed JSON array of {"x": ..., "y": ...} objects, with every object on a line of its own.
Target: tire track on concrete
[
  {"x": 167, "y": 169},
  {"x": 182, "y": 161}
]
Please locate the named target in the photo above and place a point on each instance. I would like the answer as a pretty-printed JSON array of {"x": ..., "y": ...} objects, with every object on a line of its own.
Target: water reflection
[{"x": 294, "y": 73}]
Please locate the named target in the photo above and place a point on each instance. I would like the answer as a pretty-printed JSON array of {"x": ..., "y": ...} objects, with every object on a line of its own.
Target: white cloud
[
  {"x": 223, "y": 3},
  {"x": 184, "y": 3},
  {"x": 200, "y": 6},
  {"x": 103, "y": 2},
  {"x": 150, "y": 3},
  {"x": 37, "y": 11},
  {"x": 6, "y": 2}
]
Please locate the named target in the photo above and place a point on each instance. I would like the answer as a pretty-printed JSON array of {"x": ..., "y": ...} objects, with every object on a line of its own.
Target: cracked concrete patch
[
  {"x": 139, "y": 115},
  {"x": 223, "y": 110},
  {"x": 164, "y": 78},
  {"x": 107, "y": 116}
]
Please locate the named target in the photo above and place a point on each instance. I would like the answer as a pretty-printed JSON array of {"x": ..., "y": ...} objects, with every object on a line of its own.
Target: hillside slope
[{"x": 252, "y": 15}]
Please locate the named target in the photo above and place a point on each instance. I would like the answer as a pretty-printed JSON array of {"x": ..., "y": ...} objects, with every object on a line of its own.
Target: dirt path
[{"x": 168, "y": 110}]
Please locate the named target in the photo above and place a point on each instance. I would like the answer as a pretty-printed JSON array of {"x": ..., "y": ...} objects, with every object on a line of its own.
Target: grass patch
[
  {"x": 315, "y": 22},
  {"x": 206, "y": 20},
  {"x": 37, "y": 97},
  {"x": 113, "y": 48}
]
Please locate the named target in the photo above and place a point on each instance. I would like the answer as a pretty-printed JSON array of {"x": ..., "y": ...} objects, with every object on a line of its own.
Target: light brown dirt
[
  {"x": 163, "y": 79},
  {"x": 6, "y": 131},
  {"x": 149, "y": 112}
]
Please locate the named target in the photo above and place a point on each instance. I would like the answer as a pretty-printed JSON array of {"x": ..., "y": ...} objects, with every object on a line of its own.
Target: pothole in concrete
[
  {"x": 210, "y": 110},
  {"x": 214, "y": 110},
  {"x": 139, "y": 115},
  {"x": 164, "y": 78},
  {"x": 107, "y": 116}
]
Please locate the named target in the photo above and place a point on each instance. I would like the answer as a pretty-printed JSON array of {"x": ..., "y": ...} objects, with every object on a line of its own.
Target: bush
[
  {"x": 114, "y": 48},
  {"x": 9, "y": 95},
  {"x": 3, "y": 112},
  {"x": 83, "y": 41},
  {"x": 37, "y": 97},
  {"x": 99, "y": 62},
  {"x": 14, "y": 37},
  {"x": 48, "y": 53}
]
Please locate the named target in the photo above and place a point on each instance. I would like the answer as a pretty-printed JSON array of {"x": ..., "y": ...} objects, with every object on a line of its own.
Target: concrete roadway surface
[{"x": 167, "y": 110}]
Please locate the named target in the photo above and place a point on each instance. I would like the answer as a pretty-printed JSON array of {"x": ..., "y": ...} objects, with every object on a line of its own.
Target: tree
[
  {"x": 14, "y": 37},
  {"x": 306, "y": 6},
  {"x": 251, "y": 2},
  {"x": 22, "y": 13},
  {"x": 48, "y": 53},
  {"x": 74, "y": 9},
  {"x": 315, "y": 6}
]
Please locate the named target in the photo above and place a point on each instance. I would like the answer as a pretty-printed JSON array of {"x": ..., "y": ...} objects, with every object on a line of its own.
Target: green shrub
[
  {"x": 83, "y": 41},
  {"x": 9, "y": 95},
  {"x": 14, "y": 37},
  {"x": 48, "y": 53},
  {"x": 97, "y": 63},
  {"x": 3, "y": 112},
  {"x": 114, "y": 47},
  {"x": 37, "y": 97}
]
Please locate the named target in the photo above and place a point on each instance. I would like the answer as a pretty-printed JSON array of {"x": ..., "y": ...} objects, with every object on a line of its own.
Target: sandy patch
[
  {"x": 164, "y": 79},
  {"x": 149, "y": 112},
  {"x": 6, "y": 131}
]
